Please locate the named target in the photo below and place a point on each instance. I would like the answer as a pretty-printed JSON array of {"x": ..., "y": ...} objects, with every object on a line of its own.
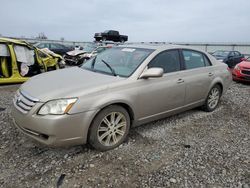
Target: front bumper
[
  {"x": 238, "y": 76},
  {"x": 54, "y": 130},
  {"x": 241, "y": 78}
]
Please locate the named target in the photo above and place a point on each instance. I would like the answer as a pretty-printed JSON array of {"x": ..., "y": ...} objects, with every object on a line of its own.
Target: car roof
[
  {"x": 15, "y": 41},
  {"x": 157, "y": 46}
]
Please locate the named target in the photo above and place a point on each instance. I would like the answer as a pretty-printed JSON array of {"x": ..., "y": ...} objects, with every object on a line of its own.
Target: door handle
[
  {"x": 180, "y": 81},
  {"x": 210, "y": 74}
]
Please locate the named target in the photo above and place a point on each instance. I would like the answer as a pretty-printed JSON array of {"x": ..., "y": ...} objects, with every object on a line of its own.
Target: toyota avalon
[{"x": 120, "y": 88}]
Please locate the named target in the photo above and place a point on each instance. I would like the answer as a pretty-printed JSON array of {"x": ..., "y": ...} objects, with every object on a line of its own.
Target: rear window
[{"x": 194, "y": 59}]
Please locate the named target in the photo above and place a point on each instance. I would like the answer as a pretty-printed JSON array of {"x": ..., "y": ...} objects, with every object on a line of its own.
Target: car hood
[
  {"x": 245, "y": 64},
  {"x": 67, "y": 83},
  {"x": 75, "y": 52},
  {"x": 219, "y": 57}
]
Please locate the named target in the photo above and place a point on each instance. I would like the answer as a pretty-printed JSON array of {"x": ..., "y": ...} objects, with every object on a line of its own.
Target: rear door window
[
  {"x": 237, "y": 53},
  {"x": 193, "y": 59}
]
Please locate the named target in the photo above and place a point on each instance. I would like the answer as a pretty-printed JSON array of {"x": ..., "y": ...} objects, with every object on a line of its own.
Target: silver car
[{"x": 120, "y": 88}]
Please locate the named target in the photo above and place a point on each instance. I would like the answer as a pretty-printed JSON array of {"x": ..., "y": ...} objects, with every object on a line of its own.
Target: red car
[{"x": 241, "y": 71}]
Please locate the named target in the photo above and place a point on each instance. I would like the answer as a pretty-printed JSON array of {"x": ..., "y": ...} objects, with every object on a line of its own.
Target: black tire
[
  {"x": 210, "y": 105},
  {"x": 104, "y": 38},
  {"x": 99, "y": 128},
  {"x": 53, "y": 68},
  {"x": 97, "y": 39},
  {"x": 81, "y": 61}
]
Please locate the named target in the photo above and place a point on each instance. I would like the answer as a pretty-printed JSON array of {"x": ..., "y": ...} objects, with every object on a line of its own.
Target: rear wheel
[
  {"x": 109, "y": 128},
  {"x": 213, "y": 99}
]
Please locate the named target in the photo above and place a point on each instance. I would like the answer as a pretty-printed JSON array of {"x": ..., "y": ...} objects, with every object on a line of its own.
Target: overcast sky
[{"x": 141, "y": 20}]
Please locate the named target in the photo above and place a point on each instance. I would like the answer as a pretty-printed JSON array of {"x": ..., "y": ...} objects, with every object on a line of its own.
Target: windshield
[
  {"x": 118, "y": 61},
  {"x": 89, "y": 47},
  {"x": 221, "y": 53}
]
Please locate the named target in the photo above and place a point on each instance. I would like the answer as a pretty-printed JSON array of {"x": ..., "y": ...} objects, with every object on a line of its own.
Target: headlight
[
  {"x": 237, "y": 67},
  {"x": 57, "y": 107}
]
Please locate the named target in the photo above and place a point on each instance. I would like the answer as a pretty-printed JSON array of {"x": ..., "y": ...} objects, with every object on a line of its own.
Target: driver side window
[{"x": 169, "y": 61}]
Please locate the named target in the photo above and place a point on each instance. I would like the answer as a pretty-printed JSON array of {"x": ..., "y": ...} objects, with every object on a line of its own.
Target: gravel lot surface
[{"x": 192, "y": 149}]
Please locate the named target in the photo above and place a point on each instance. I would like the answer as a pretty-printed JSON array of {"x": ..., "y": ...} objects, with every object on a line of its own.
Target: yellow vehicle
[{"x": 20, "y": 60}]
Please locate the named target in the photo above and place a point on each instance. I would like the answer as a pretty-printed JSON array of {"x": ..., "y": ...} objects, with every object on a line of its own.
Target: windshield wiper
[
  {"x": 112, "y": 70},
  {"x": 93, "y": 63}
]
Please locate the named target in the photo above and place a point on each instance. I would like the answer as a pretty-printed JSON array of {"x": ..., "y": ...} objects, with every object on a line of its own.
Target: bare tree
[{"x": 42, "y": 36}]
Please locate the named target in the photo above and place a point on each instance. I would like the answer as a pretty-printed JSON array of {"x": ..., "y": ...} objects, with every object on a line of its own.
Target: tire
[
  {"x": 56, "y": 67},
  {"x": 81, "y": 61},
  {"x": 105, "y": 135},
  {"x": 104, "y": 39},
  {"x": 212, "y": 99},
  {"x": 97, "y": 39}
]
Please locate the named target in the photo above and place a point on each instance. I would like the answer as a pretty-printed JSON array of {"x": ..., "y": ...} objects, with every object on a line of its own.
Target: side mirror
[{"x": 152, "y": 73}]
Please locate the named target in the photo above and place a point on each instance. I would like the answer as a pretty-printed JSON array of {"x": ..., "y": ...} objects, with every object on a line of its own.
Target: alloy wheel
[
  {"x": 213, "y": 98},
  {"x": 112, "y": 128}
]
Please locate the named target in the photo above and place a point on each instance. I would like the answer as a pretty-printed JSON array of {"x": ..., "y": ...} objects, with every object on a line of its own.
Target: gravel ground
[{"x": 192, "y": 149}]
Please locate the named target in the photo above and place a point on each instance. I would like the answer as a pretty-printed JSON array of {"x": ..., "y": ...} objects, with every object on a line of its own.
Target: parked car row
[
  {"x": 79, "y": 56},
  {"x": 239, "y": 65},
  {"x": 231, "y": 58},
  {"x": 54, "y": 47}
]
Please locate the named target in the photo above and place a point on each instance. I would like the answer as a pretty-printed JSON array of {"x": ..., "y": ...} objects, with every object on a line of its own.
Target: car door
[
  {"x": 238, "y": 57},
  {"x": 198, "y": 76},
  {"x": 231, "y": 59},
  {"x": 56, "y": 48},
  {"x": 26, "y": 59},
  {"x": 157, "y": 96},
  {"x": 5, "y": 63}
]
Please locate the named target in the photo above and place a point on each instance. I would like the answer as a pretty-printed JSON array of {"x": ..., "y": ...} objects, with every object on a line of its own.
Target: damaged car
[
  {"x": 79, "y": 56},
  {"x": 20, "y": 60}
]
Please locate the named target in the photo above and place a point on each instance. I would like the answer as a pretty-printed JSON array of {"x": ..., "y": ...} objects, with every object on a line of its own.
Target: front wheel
[
  {"x": 213, "y": 99},
  {"x": 109, "y": 128}
]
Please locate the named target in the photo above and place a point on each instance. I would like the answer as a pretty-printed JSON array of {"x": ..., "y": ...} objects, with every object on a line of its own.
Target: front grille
[
  {"x": 245, "y": 72},
  {"x": 23, "y": 102}
]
